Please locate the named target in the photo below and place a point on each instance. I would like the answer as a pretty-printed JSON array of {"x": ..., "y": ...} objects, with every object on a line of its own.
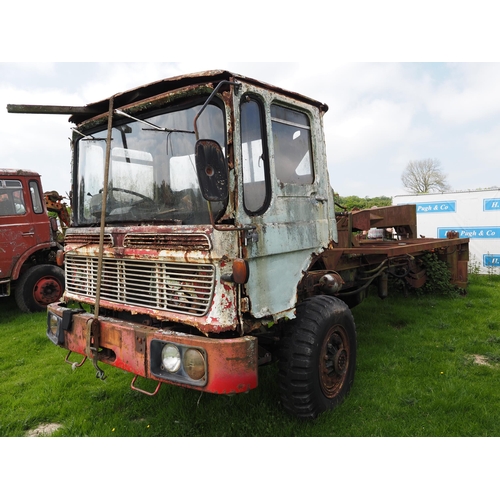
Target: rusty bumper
[{"x": 230, "y": 364}]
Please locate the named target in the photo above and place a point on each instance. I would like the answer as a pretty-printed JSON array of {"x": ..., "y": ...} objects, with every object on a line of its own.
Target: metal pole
[
  {"x": 103, "y": 207},
  {"x": 93, "y": 335}
]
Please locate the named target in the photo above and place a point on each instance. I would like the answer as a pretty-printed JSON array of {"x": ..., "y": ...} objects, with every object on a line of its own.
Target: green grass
[{"x": 419, "y": 373}]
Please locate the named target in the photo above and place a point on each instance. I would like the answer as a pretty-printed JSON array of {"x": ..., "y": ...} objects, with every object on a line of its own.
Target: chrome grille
[
  {"x": 183, "y": 288},
  {"x": 160, "y": 241}
]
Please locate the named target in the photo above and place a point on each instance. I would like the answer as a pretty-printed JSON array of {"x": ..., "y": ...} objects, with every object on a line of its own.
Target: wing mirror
[{"x": 211, "y": 170}]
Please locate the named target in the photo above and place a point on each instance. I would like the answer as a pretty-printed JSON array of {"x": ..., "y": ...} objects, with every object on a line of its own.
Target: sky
[
  {"x": 381, "y": 115},
  {"x": 377, "y": 65}
]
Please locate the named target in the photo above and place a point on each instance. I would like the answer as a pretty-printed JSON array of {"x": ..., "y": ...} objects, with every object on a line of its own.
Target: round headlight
[
  {"x": 194, "y": 364},
  {"x": 171, "y": 358}
]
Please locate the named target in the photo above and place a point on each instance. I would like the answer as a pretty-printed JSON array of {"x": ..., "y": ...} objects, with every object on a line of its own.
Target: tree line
[
  {"x": 419, "y": 177},
  {"x": 350, "y": 203}
]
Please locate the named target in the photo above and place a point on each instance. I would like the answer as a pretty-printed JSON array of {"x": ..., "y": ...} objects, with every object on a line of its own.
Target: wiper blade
[
  {"x": 88, "y": 137},
  {"x": 154, "y": 127},
  {"x": 169, "y": 130}
]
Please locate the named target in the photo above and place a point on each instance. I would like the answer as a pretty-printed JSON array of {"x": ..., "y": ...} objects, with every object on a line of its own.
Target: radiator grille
[
  {"x": 183, "y": 288},
  {"x": 87, "y": 239},
  {"x": 159, "y": 241}
]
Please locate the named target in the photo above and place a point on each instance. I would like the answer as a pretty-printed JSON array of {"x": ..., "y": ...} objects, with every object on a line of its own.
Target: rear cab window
[{"x": 292, "y": 146}]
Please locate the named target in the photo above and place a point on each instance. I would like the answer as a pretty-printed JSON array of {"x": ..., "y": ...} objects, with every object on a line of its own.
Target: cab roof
[
  {"x": 168, "y": 84},
  {"x": 17, "y": 172}
]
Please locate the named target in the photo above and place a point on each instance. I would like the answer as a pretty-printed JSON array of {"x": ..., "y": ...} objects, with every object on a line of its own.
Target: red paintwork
[
  {"x": 232, "y": 363},
  {"x": 22, "y": 235},
  {"x": 47, "y": 290}
]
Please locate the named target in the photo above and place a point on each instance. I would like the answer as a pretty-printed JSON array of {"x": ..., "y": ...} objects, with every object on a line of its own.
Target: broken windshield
[{"x": 152, "y": 175}]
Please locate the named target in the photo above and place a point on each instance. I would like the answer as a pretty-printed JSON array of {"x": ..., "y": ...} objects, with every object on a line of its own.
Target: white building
[{"x": 473, "y": 214}]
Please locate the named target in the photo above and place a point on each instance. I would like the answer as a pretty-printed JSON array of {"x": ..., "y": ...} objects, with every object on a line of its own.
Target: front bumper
[{"x": 231, "y": 364}]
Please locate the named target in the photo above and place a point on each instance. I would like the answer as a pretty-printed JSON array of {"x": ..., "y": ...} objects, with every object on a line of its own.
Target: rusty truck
[
  {"x": 29, "y": 241},
  {"x": 206, "y": 242}
]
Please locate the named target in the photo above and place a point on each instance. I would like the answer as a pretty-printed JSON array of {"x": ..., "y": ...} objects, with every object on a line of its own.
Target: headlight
[
  {"x": 53, "y": 324},
  {"x": 55, "y": 331},
  {"x": 179, "y": 363},
  {"x": 194, "y": 364},
  {"x": 171, "y": 358}
]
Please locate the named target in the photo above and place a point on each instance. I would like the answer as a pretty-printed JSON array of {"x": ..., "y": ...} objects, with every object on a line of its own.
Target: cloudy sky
[{"x": 381, "y": 115}]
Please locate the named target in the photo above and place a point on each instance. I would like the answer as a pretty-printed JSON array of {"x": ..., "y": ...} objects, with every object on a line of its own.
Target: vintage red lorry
[
  {"x": 206, "y": 243},
  {"x": 29, "y": 241}
]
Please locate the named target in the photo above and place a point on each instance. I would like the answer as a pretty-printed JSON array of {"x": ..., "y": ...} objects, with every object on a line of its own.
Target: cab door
[
  {"x": 284, "y": 194},
  {"x": 23, "y": 221}
]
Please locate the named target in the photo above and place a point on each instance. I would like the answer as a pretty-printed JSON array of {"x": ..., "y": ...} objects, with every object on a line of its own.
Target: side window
[
  {"x": 255, "y": 168},
  {"x": 35, "y": 198},
  {"x": 292, "y": 146},
  {"x": 11, "y": 198}
]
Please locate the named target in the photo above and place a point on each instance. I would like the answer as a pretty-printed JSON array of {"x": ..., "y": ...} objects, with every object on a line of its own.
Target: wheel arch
[{"x": 39, "y": 251}]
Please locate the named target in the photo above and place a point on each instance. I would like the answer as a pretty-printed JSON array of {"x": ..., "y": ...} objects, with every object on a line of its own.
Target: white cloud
[
  {"x": 36, "y": 142},
  {"x": 486, "y": 147},
  {"x": 113, "y": 78},
  {"x": 470, "y": 94},
  {"x": 380, "y": 115}
]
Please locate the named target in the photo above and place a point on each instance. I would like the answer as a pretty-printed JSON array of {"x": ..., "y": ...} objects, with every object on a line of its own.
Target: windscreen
[{"x": 152, "y": 174}]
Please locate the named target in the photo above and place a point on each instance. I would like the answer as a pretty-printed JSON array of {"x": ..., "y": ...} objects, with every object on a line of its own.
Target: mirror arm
[
  {"x": 207, "y": 102},
  {"x": 226, "y": 228}
]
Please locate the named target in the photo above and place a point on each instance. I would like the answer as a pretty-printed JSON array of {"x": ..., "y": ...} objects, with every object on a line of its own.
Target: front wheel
[
  {"x": 317, "y": 361},
  {"x": 38, "y": 287}
]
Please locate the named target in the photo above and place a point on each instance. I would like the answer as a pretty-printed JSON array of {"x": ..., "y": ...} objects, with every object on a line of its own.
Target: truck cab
[
  {"x": 28, "y": 242},
  {"x": 277, "y": 214}
]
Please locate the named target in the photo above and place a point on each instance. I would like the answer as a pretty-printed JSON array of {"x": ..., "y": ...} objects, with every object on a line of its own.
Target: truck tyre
[
  {"x": 38, "y": 287},
  {"x": 317, "y": 360}
]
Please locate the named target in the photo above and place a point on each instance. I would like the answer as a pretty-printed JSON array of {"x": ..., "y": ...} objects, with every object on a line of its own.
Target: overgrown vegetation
[
  {"x": 438, "y": 276},
  {"x": 355, "y": 202},
  {"x": 427, "y": 366},
  {"x": 438, "y": 279}
]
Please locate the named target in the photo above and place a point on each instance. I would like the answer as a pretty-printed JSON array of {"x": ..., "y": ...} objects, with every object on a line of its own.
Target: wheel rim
[
  {"x": 334, "y": 361},
  {"x": 47, "y": 290}
]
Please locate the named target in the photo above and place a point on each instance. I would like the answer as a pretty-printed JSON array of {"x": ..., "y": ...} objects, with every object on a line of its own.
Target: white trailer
[{"x": 473, "y": 214}]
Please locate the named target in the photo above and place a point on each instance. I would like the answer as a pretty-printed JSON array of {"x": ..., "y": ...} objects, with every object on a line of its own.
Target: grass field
[{"x": 427, "y": 366}]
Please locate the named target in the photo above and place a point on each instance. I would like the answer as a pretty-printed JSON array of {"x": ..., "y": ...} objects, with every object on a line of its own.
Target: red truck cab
[{"x": 27, "y": 242}]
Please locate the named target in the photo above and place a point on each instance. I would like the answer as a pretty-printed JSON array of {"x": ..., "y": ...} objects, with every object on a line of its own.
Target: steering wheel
[{"x": 128, "y": 191}]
